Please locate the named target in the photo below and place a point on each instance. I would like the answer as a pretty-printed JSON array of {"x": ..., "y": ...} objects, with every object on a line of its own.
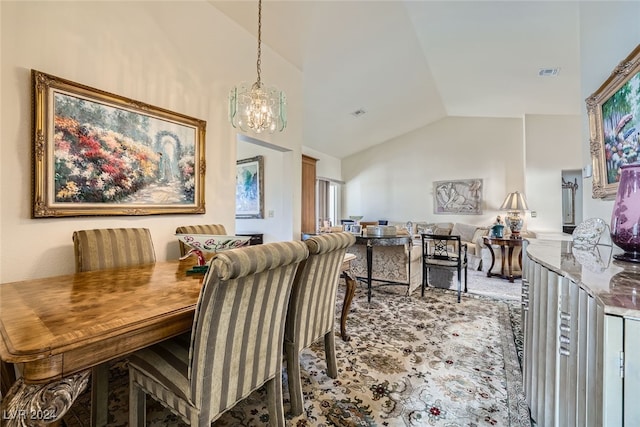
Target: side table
[{"x": 506, "y": 250}]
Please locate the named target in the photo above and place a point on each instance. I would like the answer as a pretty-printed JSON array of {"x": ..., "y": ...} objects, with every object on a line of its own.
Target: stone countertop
[{"x": 614, "y": 284}]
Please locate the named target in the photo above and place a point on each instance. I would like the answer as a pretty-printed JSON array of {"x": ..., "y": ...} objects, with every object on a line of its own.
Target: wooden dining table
[{"x": 55, "y": 329}]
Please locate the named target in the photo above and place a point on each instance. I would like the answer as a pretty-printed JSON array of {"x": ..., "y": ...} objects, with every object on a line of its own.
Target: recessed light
[
  {"x": 358, "y": 113},
  {"x": 548, "y": 72}
]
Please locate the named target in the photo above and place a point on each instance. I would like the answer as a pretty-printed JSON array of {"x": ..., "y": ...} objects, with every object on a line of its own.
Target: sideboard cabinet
[{"x": 581, "y": 325}]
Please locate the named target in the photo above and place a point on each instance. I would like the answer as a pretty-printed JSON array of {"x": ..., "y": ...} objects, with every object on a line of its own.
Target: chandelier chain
[
  {"x": 253, "y": 107},
  {"x": 259, "y": 39}
]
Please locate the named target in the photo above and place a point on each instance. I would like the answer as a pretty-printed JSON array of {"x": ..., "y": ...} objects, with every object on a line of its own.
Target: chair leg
[
  {"x": 465, "y": 280},
  {"x": 459, "y": 283},
  {"x": 99, "y": 395},
  {"x": 137, "y": 404},
  {"x": 425, "y": 278},
  {"x": 274, "y": 397},
  {"x": 293, "y": 379},
  {"x": 330, "y": 354}
]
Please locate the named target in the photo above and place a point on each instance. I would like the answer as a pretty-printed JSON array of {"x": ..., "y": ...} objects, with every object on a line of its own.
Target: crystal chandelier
[{"x": 255, "y": 107}]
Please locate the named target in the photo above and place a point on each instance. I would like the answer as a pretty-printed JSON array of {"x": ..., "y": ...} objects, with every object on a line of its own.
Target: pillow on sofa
[
  {"x": 479, "y": 234},
  {"x": 465, "y": 231},
  {"x": 442, "y": 231},
  {"x": 425, "y": 227}
]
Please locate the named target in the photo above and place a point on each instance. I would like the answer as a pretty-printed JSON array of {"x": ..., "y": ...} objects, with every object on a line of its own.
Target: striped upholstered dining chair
[
  {"x": 101, "y": 249},
  {"x": 235, "y": 345},
  {"x": 311, "y": 313},
  {"x": 104, "y": 248},
  {"x": 216, "y": 229}
]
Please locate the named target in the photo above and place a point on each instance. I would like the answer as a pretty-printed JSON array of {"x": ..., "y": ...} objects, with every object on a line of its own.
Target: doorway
[{"x": 571, "y": 200}]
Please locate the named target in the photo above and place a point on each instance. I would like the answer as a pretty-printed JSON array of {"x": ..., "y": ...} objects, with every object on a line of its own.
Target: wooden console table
[{"x": 506, "y": 251}]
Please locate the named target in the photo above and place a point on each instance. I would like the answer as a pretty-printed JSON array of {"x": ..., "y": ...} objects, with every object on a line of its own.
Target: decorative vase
[
  {"x": 497, "y": 230},
  {"x": 625, "y": 219}
]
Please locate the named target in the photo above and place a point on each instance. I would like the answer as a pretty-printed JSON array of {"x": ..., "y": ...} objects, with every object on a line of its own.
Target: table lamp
[{"x": 514, "y": 203}]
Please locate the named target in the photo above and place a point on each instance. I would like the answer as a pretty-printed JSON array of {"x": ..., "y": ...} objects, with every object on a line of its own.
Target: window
[{"x": 328, "y": 193}]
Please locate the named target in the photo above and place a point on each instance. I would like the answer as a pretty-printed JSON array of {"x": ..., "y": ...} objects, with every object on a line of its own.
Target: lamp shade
[{"x": 515, "y": 202}]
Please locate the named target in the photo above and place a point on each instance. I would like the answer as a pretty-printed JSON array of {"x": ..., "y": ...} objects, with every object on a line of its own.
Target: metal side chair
[
  {"x": 101, "y": 249},
  {"x": 235, "y": 345},
  {"x": 217, "y": 229},
  {"x": 445, "y": 252},
  {"x": 311, "y": 313}
]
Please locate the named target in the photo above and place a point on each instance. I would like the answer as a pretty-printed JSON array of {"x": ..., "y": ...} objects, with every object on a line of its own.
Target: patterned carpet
[
  {"x": 412, "y": 361},
  {"x": 494, "y": 287}
]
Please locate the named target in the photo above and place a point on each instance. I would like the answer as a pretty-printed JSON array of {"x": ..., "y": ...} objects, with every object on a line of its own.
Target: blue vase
[{"x": 497, "y": 231}]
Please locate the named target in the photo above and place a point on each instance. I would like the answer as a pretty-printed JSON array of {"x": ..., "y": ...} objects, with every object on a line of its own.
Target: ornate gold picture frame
[
  {"x": 614, "y": 125},
  {"x": 96, "y": 153}
]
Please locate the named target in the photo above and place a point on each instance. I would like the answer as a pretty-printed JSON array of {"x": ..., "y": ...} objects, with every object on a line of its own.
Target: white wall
[
  {"x": 273, "y": 227},
  {"x": 326, "y": 166},
  {"x": 394, "y": 180},
  {"x": 609, "y": 31},
  {"x": 182, "y": 56},
  {"x": 553, "y": 144}
]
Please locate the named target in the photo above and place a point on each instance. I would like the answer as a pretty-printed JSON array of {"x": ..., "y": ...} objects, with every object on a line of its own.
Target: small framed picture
[{"x": 356, "y": 229}]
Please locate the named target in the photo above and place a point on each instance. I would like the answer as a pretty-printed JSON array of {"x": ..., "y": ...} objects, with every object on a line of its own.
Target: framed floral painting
[
  {"x": 614, "y": 125},
  {"x": 96, "y": 153}
]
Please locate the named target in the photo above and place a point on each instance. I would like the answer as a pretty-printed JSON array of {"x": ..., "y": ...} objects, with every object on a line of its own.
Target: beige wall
[
  {"x": 326, "y": 166},
  {"x": 394, "y": 180},
  {"x": 143, "y": 50},
  {"x": 553, "y": 144},
  {"x": 182, "y": 56}
]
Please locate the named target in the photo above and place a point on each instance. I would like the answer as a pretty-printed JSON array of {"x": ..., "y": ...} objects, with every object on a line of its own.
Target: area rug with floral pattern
[{"x": 411, "y": 361}]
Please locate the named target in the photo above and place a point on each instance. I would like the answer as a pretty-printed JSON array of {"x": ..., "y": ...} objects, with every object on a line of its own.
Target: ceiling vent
[
  {"x": 548, "y": 72},
  {"x": 358, "y": 113}
]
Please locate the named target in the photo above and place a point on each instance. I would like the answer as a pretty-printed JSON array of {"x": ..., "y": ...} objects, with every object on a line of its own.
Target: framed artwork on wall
[
  {"x": 250, "y": 188},
  {"x": 460, "y": 197},
  {"x": 614, "y": 125},
  {"x": 96, "y": 153}
]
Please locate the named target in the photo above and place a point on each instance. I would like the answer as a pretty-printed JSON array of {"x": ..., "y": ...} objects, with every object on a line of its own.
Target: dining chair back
[
  {"x": 311, "y": 313},
  {"x": 445, "y": 252},
  {"x": 217, "y": 229},
  {"x": 106, "y": 248},
  {"x": 100, "y": 249},
  {"x": 235, "y": 345}
]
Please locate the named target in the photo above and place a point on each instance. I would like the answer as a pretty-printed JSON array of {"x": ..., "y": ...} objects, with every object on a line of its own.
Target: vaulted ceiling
[{"x": 410, "y": 63}]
